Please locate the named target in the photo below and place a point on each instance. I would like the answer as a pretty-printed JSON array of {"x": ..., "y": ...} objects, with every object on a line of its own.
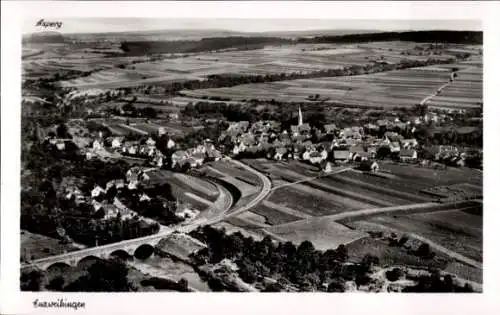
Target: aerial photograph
[{"x": 172, "y": 155}]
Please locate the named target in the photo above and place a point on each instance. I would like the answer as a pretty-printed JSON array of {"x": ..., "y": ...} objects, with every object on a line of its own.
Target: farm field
[
  {"x": 184, "y": 183},
  {"x": 274, "y": 213},
  {"x": 229, "y": 169},
  {"x": 455, "y": 230},
  {"x": 323, "y": 234},
  {"x": 297, "y": 58},
  {"x": 387, "y": 89},
  {"x": 465, "y": 91},
  {"x": 313, "y": 202}
]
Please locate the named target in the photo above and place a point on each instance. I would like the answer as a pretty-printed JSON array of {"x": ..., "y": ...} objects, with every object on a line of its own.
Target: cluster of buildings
[
  {"x": 450, "y": 155},
  {"x": 194, "y": 157},
  {"x": 354, "y": 143}
]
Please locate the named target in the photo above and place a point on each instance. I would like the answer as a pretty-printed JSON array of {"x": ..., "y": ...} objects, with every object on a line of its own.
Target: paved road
[{"x": 266, "y": 189}]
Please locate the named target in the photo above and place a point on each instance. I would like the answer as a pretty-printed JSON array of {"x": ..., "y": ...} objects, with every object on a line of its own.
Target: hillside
[{"x": 455, "y": 37}]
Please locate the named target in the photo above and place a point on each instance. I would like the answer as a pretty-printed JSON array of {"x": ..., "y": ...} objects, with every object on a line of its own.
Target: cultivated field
[
  {"x": 455, "y": 230},
  {"x": 324, "y": 234},
  {"x": 388, "y": 89},
  {"x": 466, "y": 90}
]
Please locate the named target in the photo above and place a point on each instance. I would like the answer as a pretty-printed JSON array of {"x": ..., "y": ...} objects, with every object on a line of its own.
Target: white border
[{"x": 13, "y": 302}]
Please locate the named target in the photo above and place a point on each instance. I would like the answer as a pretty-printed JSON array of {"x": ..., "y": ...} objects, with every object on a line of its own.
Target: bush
[{"x": 394, "y": 274}]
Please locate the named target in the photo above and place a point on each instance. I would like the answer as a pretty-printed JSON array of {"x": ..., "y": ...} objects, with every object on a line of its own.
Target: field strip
[
  {"x": 142, "y": 132},
  {"x": 351, "y": 195},
  {"x": 286, "y": 210},
  {"x": 198, "y": 198},
  {"x": 216, "y": 171},
  {"x": 196, "y": 184},
  {"x": 380, "y": 189},
  {"x": 436, "y": 247},
  {"x": 341, "y": 198},
  {"x": 309, "y": 178}
]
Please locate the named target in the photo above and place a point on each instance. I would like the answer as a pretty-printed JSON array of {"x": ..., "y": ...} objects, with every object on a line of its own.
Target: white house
[
  {"x": 170, "y": 144},
  {"x": 97, "y": 191},
  {"x": 150, "y": 142},
  {"x": 97, "y": 145},
  {"x": 116, "y": 143},
  {"x": 408, "y": 155},
  {"x": 144, "y": 197}
]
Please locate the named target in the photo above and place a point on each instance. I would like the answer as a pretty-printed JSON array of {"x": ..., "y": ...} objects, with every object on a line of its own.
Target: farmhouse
[
  {"x": 98, "y": 190},
  {"x": 341, "y": 155},
  {"x": 116, "y": 142},
  {"x": 409, "y": 143},
  {"x": 179, "y": 157},
  {"x": 279, "y": 153},
  {"x": 97, "y": 144},
  {"x": 150, "y": 142},
  {"x": 408, "y": 155},
  {"x": 330, "y": 128}
]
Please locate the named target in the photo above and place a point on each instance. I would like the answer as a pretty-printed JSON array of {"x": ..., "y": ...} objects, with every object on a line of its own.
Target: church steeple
[{"x": 300, "y": 117}]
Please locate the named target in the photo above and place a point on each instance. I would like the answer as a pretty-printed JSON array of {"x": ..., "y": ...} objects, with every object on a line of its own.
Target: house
[
  {"x": 372, "y": 150},
  {"x": 371, "y": 127},
  {"x": 60, "y": 145},
  {"x": 408, "y": 155},
  {"x": 350, "y": 133},
  {"x": 150, "y": 142},
  {"x": 97, "y": 145},
  {"x": 96, "y": 205},
  {"x": 382, "y": 122},
  {"x": 409, "y": 143},
  {"x": 179, "y": 157},
  {"x": 369, "y": 166},
  {"x": 341, "y": 155},
  {"x": 119, "y": 183},
  {"x": 294, "y": 130},
  {"x": 315, "y": 157},
  {"x": 98, "y": 190},
  {"x": 144, "y": 197},
  {"x": 394, "y": 146},
  {"x": 116, "y": 143},
  {"x": 362, "y": 156},
  {"x": 279, "y": 153},
  {"x": 198, "y": 158},
  {"x": 330, "y": 128},
  {"x": 170, "y": 144},
  {"x": 89, "y": 155},
  {"x": 326, "y": 166}
]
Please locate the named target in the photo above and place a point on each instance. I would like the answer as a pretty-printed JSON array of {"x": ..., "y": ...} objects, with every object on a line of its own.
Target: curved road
[{"x": 95, "y": 251}]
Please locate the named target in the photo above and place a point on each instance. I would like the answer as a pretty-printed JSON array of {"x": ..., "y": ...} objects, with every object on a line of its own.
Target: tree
[
  {"x": 394, "y": 274},
  {"x": 368, "y": 261},
  {"x": 383, "y": 152},
  {"x": 337, "y": 285},
  {"x": 183, "y": 285},
  {"x": 62, "y": 131},
  {"x": 56, "y": 284}
]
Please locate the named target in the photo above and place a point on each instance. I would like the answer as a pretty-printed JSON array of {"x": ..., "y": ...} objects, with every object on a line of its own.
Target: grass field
[
  {"x": 182, "y": 183},
  {"x": 388, "y": 89},
  {"x": 455, "y": 230},
  {"x": 35, "y": 246},
  {"x": 324, "y": 234},
  {"x": 275, "y": 214}
]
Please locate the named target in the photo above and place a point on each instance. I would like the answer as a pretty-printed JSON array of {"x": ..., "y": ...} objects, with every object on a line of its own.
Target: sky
[{"x": 100, "y": 25}]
